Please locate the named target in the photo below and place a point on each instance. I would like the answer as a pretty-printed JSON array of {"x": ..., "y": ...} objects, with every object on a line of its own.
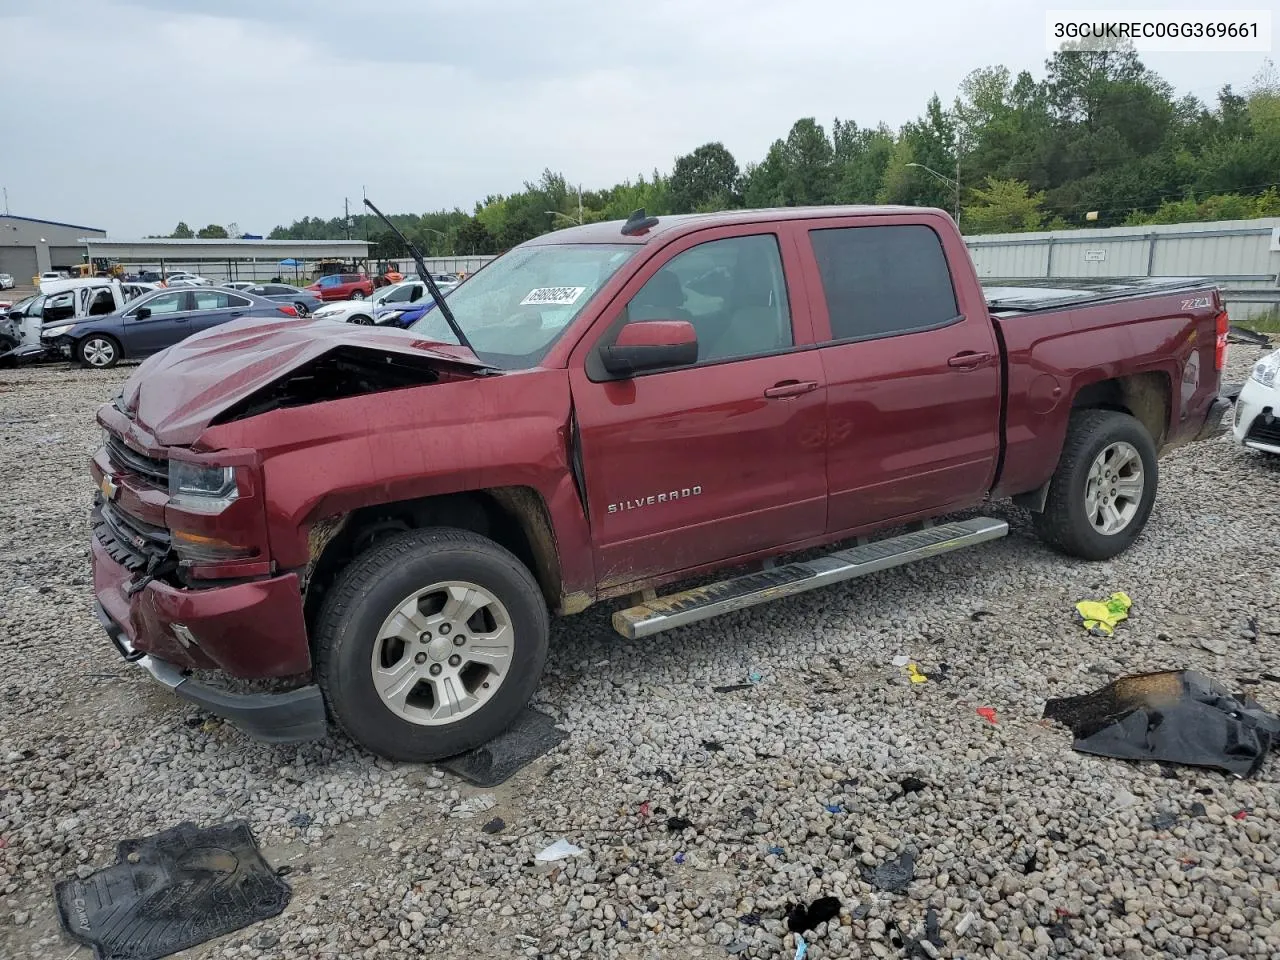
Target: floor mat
[
  {"x": 532, "y": 735},
  {"x": 171, "y": 891}
]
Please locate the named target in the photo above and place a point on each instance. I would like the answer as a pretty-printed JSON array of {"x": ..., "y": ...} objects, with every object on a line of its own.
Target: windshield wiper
[{"x": 425, "y": 276}]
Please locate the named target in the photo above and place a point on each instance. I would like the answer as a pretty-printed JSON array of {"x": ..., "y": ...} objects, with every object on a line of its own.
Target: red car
[
  {"x": 343, "y": 286},
  {"x": 381, "y": 522}
]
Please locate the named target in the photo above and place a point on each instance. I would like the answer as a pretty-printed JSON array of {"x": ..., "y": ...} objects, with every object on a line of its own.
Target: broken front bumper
[{"x": 272, "y": 717}]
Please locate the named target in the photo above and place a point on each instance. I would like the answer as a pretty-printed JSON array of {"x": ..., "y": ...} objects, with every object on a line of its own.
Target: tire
[
  {"x": 301, "y": 308},
  {"x": 366, "y": 604},
  {"x": 361, "y": 320},
  {"x": 1071, "y": 522},
  {"x": 357, "y": 295},
  {"x": 99, "y": 351}
]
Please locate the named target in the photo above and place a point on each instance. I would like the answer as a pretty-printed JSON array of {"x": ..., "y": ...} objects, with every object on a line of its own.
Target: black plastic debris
[
  {"x": 1163, "y": 821},
  {"x": 532, "y": 735},
  {"x": 678, "y": 824},
  {"x": 932, "y": 936},
  {"x": 1059, "y": 931},
  {"x": 977, "y": 615},
  {"x": 712, "y": 746},
  {"x": 1198, "y": 809},
  {"x": 300, "y": 820},
  {"x": 732, "y": 687},
  {"x": 750, "y": 919},
  {"x": 1270, "y": 677},
  {"x": 171, "y": 891},
  {"x": 911, "y": 785},
  {"x": 892, "y": 875},
  {"x": 802, "y": 919},
  {"x": 1031, "y": 865},
  {"x": 1055, "y": 836},
  {"x": 1178, "y": 716},
  {"x": 496, "y": 825}
]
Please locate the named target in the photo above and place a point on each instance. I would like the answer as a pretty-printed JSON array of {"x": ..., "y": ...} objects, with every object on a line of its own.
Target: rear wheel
[
  {"x": 301, "y": 308},
  {"x": 98, "y": 350},
  {"x": 430, "y": 644},
  {"x": 1103, "y": 490},
  {"x": 357, "y": 295}
]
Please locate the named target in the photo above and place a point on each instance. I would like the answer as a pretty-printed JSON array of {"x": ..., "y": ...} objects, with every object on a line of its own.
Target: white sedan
[
  {"x": 364, "y": 311},
  {"x": 1257, "y": 421}
]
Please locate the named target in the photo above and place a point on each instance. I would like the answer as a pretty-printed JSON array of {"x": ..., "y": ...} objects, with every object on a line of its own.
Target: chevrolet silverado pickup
[{"x": 375, "y": 525}]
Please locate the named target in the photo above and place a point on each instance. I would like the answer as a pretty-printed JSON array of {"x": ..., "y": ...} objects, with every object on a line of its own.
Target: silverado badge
[{"x": 108, "y": 487}]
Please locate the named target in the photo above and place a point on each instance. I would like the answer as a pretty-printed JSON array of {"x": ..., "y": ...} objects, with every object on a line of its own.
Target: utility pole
[
  {"x": 957, "y": 184},
  {"x": 346, "y": 216},
  {"x": 6, "y": 201},
  {"x": 579, "y": 204}
]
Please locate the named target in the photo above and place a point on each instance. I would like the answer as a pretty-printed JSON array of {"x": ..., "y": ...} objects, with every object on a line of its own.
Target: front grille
[
  {"x": 154, "y": 471},
  {"x": 127, "y": 540},
  {"x": 1264, "y": 432}
]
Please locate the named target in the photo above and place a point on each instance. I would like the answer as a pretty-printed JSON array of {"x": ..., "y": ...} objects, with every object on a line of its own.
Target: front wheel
[
  {"x": 98, "y": 350},
  {"x": 430, "y": 644},
  {"x": 1104, "y": 487},
  {"x": 361, "y": 320}
]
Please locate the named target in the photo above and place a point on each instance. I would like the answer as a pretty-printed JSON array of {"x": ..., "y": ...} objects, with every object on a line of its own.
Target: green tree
[
  {"x": 212, "y": 232},
  {"x": 473, "y": 237},
  {"x": 181, "y": 232},
  {"x": 1003, "y": 206},
  {"x": 706, "y": 179}
]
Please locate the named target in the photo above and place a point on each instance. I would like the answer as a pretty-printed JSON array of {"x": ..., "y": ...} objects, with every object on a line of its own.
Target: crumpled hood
[{"x": 177, "y": 392}]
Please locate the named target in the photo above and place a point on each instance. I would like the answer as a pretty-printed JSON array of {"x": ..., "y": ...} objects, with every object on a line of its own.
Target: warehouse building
[{"x": 30, "y": 247}]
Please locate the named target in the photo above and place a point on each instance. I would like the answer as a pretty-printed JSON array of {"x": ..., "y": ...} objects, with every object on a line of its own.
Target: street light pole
[{"x": 954, "y": 184}]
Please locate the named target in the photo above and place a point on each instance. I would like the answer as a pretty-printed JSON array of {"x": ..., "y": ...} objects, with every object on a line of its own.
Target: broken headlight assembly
[
  {"x": 201, "y": 488},
  {"x": 1267, "y": 370}
]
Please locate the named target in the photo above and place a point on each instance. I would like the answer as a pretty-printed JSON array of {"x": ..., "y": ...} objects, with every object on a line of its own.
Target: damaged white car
[{"x": 1257, "y": 419}]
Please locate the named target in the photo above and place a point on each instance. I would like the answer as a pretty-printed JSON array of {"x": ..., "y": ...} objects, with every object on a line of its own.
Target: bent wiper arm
[{"x": 425, "y": 276}]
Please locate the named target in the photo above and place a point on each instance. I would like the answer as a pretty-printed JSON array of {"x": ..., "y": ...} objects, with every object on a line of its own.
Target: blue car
[{"x": 153, "y": 322}]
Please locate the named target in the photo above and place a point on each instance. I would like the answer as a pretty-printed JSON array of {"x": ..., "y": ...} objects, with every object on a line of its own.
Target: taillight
[
  {"x": 1220, "y": 347},
  {"x": 288, "y": 310}
]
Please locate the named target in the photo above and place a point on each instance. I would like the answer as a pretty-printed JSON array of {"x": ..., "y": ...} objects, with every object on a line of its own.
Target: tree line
[{"x": 1100, "y": 140}]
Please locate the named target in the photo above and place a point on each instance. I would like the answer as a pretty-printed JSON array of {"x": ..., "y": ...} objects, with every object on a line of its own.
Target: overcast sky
[{"x": 133, "y": 115}]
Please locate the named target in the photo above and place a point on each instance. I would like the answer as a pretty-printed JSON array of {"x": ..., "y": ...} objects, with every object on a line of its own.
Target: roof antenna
[{"x": 638, "y": 223}]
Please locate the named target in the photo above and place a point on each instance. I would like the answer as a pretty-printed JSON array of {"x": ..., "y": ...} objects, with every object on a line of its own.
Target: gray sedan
[{"x": 153, "y": 322}]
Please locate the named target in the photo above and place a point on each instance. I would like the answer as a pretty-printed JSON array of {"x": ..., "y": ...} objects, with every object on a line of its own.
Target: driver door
[
  {"x": 157, "y": 322},
  {"x": 699, "y": 464}
]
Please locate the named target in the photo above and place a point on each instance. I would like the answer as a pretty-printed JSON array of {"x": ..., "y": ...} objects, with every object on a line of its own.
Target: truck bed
[{"x": 1013, "y": 297}]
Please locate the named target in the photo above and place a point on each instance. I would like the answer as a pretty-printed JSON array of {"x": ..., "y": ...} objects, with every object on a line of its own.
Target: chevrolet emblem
[{"x": 108, "y": 487}]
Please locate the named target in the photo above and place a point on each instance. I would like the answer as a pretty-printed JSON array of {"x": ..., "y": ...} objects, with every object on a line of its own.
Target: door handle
[
  {"x": 786, "y": 389},
  {"x": 968, "y": 360}
]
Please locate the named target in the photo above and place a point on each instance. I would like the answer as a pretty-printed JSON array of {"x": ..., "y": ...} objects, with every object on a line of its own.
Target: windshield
[{"x": 514, "y": 309}]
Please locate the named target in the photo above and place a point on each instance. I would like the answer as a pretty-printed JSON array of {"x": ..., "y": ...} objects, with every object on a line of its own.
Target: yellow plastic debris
[
  {"x": 914, "y": 673},
  {"x": 1100, "y": 617}
]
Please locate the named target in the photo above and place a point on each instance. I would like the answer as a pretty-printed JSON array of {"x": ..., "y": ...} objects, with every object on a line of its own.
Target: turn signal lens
[
  {"x": 197, "y": 548},
  {"x": 1220, "y": 350}
]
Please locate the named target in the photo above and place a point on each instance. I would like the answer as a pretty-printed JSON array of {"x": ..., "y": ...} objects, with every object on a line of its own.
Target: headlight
[
  {"x": 208, "y": 489},
  {"x": 326, "y": 312},
  {"x": 1267, "y": 369},
  {"x": 56, "y": 331}
]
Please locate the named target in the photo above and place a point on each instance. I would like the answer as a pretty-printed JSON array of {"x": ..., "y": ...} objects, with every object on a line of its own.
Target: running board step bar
[{"x": 702, "y": 603}]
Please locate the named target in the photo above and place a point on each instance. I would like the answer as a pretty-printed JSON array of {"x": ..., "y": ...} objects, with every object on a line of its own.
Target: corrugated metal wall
[{"x": 1242, "y": 255}]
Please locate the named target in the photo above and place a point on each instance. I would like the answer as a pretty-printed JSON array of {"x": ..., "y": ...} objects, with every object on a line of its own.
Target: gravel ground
[{"x": 788, "y": 788}]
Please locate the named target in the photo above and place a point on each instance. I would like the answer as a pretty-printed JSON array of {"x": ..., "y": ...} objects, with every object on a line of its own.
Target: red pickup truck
[{"x": 375, "y": 523}]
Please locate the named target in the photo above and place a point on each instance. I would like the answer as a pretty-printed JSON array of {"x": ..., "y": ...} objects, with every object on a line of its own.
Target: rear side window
[{"x": 883, "y": 281}]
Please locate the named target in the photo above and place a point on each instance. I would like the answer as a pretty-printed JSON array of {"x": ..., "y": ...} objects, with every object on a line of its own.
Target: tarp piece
[
  {"x": 532, "y": 735},
  {"x": 1176, "y": 716},
  {"x": 172, "y": 891}
]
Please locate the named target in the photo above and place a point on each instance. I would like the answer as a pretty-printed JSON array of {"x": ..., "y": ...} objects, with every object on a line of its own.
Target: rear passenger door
[
  {"x": 912, "y": 370},
  {"x": 212, "y": 307}
]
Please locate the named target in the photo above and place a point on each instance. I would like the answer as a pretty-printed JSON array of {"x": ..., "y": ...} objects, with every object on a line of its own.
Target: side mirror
[
  {"x": 650, "y": 345},
  {"x": 142, "y": 313}
]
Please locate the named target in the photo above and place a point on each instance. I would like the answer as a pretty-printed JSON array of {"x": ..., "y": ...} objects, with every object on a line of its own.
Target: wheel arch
[{"x": 514, "y": 517}]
